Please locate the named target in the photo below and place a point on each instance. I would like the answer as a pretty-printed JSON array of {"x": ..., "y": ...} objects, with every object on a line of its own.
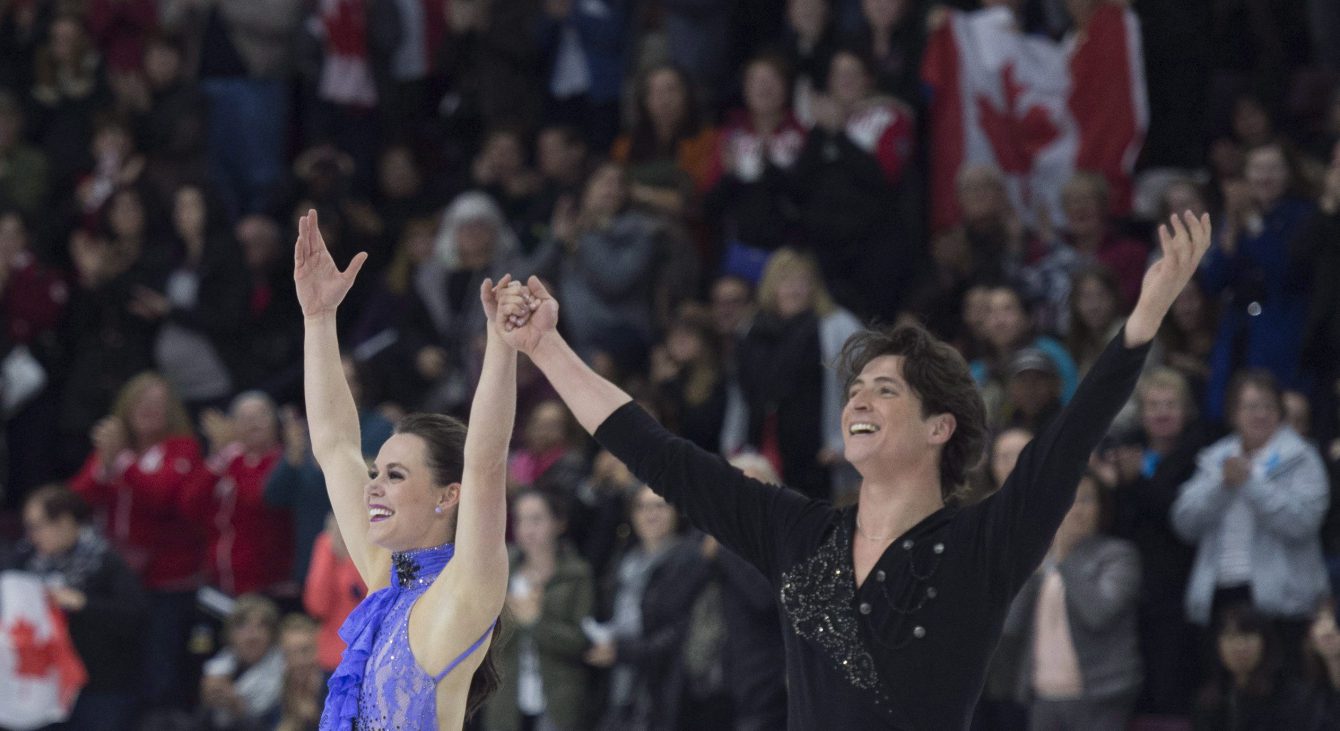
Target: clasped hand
[{"x": 521, "y": 314}]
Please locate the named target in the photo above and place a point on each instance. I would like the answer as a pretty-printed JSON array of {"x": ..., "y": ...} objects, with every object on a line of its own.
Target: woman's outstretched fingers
[
  {"x": 355, "y": 264},
  {"x": 1175, "y": 246},
  {"x": 299, "y": 256},
  {"x": 1179, "y": 229},
  {"x": 1192, "y": 225},
  {"x": 1202, "y": 238},
  {"x": 315, "y": 244},
  {"x": 1177, "y": 236}
]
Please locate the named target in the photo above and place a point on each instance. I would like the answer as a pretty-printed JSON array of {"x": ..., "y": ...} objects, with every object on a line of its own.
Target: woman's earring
[{"x": 438, "y": 510}]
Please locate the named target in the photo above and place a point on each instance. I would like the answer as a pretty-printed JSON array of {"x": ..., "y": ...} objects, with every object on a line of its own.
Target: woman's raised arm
[
  {"x": 481, "y": 521},
  {"x": 331, "y": 411}
]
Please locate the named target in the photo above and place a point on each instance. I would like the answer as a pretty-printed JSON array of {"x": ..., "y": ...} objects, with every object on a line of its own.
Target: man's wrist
[
  {"x": 1141, "y": 327},
  {"x": 549, "y": 347}
]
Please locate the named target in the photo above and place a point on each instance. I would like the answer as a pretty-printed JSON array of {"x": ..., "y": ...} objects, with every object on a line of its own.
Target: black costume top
[{"x": 908, "y": 649}]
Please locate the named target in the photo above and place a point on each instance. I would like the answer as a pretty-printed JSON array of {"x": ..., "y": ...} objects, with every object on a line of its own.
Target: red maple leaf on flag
[
  {"x": 1016, "y": 135},
  {"x": 35, "y": 659}
]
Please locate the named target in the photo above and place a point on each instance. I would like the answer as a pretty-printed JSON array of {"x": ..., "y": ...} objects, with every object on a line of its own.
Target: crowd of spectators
[{"x": 719, "y": 192}]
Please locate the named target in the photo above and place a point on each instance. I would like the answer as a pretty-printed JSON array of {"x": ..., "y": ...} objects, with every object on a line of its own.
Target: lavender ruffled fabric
[{"x": 410, "y": 570}]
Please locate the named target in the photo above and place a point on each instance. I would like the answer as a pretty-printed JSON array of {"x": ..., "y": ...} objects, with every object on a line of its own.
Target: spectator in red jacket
[
  {"x": 142, "y": 476},
  {"x": 250, "y": 542}
]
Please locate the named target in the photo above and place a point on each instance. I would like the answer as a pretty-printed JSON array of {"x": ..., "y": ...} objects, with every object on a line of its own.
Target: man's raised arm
[
  {"x": 1037, "y": 494},
  {"x": 747, "y": 516}
]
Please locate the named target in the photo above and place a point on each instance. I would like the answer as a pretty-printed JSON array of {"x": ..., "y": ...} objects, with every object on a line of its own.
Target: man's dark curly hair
[{"x": 939, "y": 376}]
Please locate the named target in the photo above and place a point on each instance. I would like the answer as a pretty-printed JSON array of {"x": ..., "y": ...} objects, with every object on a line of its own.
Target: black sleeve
[
  {"x": 756, "y": 520},
  {"x": 1016, "y": 525}
]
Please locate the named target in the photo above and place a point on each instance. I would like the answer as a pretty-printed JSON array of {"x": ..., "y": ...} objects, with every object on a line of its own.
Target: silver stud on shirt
[
  {"x": 939, "y": 548},
  {"x": 907, "y": 544},
  {"x": 931, "y": 592},
  {"x": 879, "y": 575},
  {"x": 918, "y": 631},
  {"x": 864, "y": 608}
]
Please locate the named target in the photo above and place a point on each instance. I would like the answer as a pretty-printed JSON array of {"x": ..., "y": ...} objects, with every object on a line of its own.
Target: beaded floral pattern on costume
[{"x": 817, "y": 594}]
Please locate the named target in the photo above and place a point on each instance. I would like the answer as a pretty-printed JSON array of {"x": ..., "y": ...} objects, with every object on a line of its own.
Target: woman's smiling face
[{"x": 402, "y": 497}]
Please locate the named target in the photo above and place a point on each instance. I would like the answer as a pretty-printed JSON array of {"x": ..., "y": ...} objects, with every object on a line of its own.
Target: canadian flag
[
  {"x": 1035, "y": 108},
  {"x": 40, "y": 672},
  {"x": 346, "y": 75}
]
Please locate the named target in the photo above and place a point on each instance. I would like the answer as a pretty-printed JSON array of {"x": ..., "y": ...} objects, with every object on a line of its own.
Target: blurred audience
[{"x": 718, "y": 196}]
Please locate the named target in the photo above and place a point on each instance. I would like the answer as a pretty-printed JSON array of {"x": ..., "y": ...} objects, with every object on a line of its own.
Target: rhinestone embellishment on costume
[
  {"x": 406, "y": 569},
  {"x": 817, "y": 595}
]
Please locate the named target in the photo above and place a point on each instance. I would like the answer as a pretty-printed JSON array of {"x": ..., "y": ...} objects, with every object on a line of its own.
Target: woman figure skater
[{"x": 424, "y": 525}]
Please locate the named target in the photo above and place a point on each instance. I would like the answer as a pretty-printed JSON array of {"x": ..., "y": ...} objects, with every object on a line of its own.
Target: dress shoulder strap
[{"x": 468, "y": 652}]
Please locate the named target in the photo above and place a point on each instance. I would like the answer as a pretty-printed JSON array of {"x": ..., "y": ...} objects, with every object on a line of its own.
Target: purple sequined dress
[{"x": 378, "y": 685}]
